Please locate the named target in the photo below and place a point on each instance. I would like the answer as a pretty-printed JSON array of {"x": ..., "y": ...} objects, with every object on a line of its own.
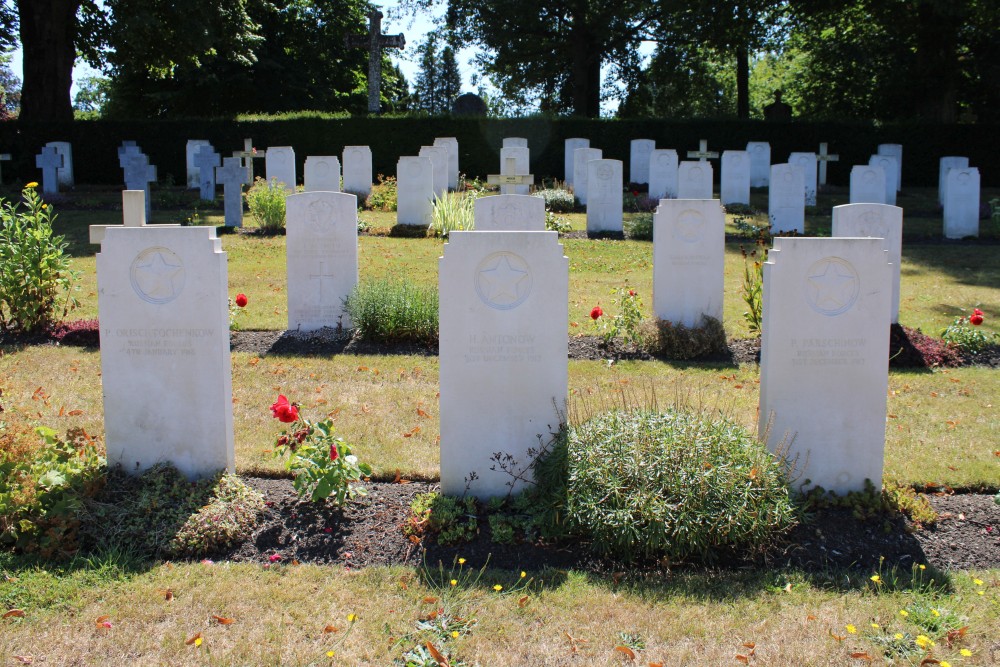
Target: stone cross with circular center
[{"x": 375, "y": 41}]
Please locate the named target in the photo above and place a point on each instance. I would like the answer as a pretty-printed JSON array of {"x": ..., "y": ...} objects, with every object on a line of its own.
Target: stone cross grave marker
[
  {"x": 4, "y": 157},
  {"x": 321, "y": 174},
  {"x": 64, "y": 174},
  {"x": 139, "y": 174},
  {"x": 206, "y": 159},
  {"x": 190, "y": 151},
  {"x": 248, "y": 155},
  {"x": 694, "y": 180},
  {"x": 734, "y": 182},
  {"x": 570, "y": 147},
  {"x": 961, "y": 203},
  {"x": 126, "y": 151},
  {"x": 357, "y": 167},
  {"x": 133, "y": 215},
  {"x": 375, "y": 41},
  {"x": 519, "y": 213},
  {"x": 944, "y": 164},
  {"x": 638, "y": 165},
  {"x": 760, "y": 163},
  {"x": 689, "y": 244},
  {"x": 166, "y": 370},
  {"x": 322, "y": 258},
  {"x": 824, "y": 367},
  {"x": 280, "y": 164},
  {"x": 786, "y": 199},
  {"x": 879, "y": 221},
  {"x": 414, "y": 191},
  {"x": 703, "y": 154},
  {"x": 604, "y": 196},
  {"x": 867, "y": 185},
  {"x": 662, "y": 174},
  {"x": 233, "y": 175},
  {"x": 49, "y": 161},
  {"x": 504, "y": 372},
  {"x": 581, "y": 156},
  {"x": 824, "y": 156},
  {"x": 451, "y": 143},
  {"x": 509, "y": 180}
]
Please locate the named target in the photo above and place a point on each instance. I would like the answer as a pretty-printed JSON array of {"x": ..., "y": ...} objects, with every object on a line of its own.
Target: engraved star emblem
[
  {"x": 504, "y": 281},
  {"x": 156, "y": 276},
  {"x": 833, "y": 288}
]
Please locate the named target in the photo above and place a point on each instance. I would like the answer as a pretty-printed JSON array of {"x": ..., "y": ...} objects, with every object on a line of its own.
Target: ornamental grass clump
[
  {"x": 642, "y": 484},
  {"x": 452, "y": 212},
  {"x": 394, "y": 311}
]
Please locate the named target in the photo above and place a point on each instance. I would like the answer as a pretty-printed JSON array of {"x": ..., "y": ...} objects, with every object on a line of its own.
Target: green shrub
[
  {"x": 639, "y": 227},
  {"x": 449, "y": 519},
  {"x": 676, "y": 341},
  {"x": 383, "y": 195},
  {"x": 44, "y": 481},
  {"x": 557, "y": 200},
  {"x": 752, "y": 289},
  {"x": 556, "y": 223},
  {"x": 35, "y": 276},
  {"x": 394, "y": 311},
  {"x": 454, "y": 211},
  {"x": 229, "y": 517},
  {"x": 964, "y": 333},
  {"x": 266, "y": 203},
  {"x": 674, "y": 484}
]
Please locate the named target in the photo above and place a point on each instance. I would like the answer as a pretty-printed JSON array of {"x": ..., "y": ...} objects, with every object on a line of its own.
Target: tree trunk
[
  {"x": 742, "y": 82},
  {"x": 48, "y": 34},
  {"x": 937, "y": 61},
  {"x": 586, "y": 74}
]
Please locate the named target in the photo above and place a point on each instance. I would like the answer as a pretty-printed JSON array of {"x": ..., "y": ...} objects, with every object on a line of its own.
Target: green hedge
[{"x": 96, "y": 160}]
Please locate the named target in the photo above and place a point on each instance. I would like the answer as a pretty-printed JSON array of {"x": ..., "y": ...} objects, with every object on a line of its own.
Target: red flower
[
  {"x": 241, "y": 300},
  {"x": 631, "y": 292},
  {"x": 284, "y": 411},
  {"x": 596, "y": 312},
  {"x": 282, "y": 440},
  {"x": 976, "y": 320},
  {"x": 976, "y": 311},
  {"x": 635, "y": 193},
  {"x": 334, "y": 454},
  {"x": 274, "y": 558}
]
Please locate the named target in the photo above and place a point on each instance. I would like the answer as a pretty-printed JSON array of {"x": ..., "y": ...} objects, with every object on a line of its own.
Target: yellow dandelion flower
[
  {"x": 945, "y": 663},
  {"x": 966, "y": 653},
  {"x": 461, "y": 561},
  {"x": 923, "y": 567},
  {"x": 454, "y": 582},
  {"x": 876, "y": 626},
  {"x": 33, "y": 184},
  {"x": 898, "y": 635},
  {"x": 935, "y": 612},
  {"x": 351, "y": 618},
  {"x": 498, "y": 588},
  {"x": 197, "y": 642},
  {"x": 44, "y": 206},
  {"x": 904, "y": 613},
  {"x": 922, "y": 641},
  {"x": 329, "y": 654},
  {"x": 977, "y": 582},
  {"x": 875, "y": 578},
  {"x": 523, "y": 574},
  {"x": 454, "y": 633},
  {"x": 981, "y": 592},
  {"x": 851, "y": 629}
]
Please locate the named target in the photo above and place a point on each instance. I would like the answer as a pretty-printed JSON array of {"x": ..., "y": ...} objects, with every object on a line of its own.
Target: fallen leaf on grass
[
  {"x": 839, "y": 638},
  {"x": 810, "y": 617},
  {"x": 430, "y": 599},
  {"x": 221, "y": 620},
  {"x": 742, "y": 658},
  {"x": 523, "y": 601},
  {"x": 862, "y": 655},
  {"x": 167, "y": 593},
  {"x": 573, "y": 641},
  {"x": 25, "y": 659},
  {"x": 14, "y": 613},
  {"x": 330, "y": 628},
  {"x": 626, "y": 651},
  {"x": 436, "y": 654},
  {"x": 423, "y": 413},
  {"x": 954, "y": 635},
  {"x": 102, "y": 622},
  {"x": 75, "y": 413},
  {"x": 193, "y": 639},
  {"x": 929, "y": 661}
]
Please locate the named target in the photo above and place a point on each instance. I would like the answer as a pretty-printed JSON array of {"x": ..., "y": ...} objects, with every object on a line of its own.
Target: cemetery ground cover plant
[
  {"x": 397, "y": 311},
  {"x": 965, "y": 333},
  {"x": 453, "y": 211},
  {"x": 266, "y": 203}
]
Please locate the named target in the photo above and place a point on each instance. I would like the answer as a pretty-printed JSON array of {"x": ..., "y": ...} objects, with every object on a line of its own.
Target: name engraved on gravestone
[
  {"x": 638, "y": 166},
  {"x": 663, "y": 174},
  {"x": 760, "y": 163},
  {"x": 570, "y": 147},
  {"x": 581, "y": 157}
]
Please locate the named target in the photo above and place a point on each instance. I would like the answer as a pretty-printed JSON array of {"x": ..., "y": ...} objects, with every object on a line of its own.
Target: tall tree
[
  {"x": 48, "y": 31},
  {"x": 439, "y": 81}
]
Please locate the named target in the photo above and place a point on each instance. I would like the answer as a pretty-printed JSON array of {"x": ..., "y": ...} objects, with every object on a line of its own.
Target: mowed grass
[{"x": 299, "y": 615}]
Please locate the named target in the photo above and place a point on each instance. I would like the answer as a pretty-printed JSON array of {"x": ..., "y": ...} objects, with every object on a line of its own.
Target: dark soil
[{"x": 369, "y": 531}]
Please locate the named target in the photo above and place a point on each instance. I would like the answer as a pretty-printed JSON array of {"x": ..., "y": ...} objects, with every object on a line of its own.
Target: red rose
[
  {"x": 976, "y": 320},
  {"x": 282, "y": 440},
  {"x": 976, "y": 311},
  {"x": 334, "y": 454},
  {"x": 284, "y": 411},
  {"x": 596, "y": 312},
  {"x": 241, "y": 300},
  {"x": 631, "y": 292}
]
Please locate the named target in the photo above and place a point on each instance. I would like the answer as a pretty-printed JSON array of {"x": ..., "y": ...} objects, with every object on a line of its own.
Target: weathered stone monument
[
  {"x": 64, "y": 174},
  {"x": 357, "y": 162},
  {"x": 604, "y": 197},
  {"x": 503, "y": 355},
  {"x": 165, "y": 361},
  {"x": 138, "y": 175},
  {"x": 414, "y": 191},
  {"x": 824, "y": 368},
  {"x": 517, "y": 213},
  {"x": 570, "y": 147},
  {"x": 734, "y": 182},
  {"x": 279, "y": 164},
  {"x": 961, "y": 203},
  {"x": 233, "y": 175},
  {"x": 375, "y": 41},
  {"x": 663, "y": 174},
  {"x": 638, "y": 165},
  {"x": 824, "y": 157},
  {"x": 786, "y": 199},
  {"x": 321, "y": 173},
  {"x": 49, "y": 161},
  {"x": 190, "y": 151},
  {"x": 206, "y": 159},
  {"x": 322, "y": 258},
  {"x": 689, "y": 244}
]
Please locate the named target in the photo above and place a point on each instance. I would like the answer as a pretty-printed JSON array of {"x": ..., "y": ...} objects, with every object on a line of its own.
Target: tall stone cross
[
  {"x": 375, "y": 41},
  {"x": 233, "y": 175},
  {"x": 248, "y": 155},
  {"x": 49, "y": 160},
  {"x": 823, "y": 156},
  {"x": 703, "y": 154},
  {"x": 510, "y": 177},
  {"x": 207, "y": 160}
]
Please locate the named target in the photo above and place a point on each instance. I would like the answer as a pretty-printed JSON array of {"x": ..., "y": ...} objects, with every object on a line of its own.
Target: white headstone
[
  {"x": 438, "y": 155},
  {"x": 694, "y": 180},
  {"x": 503, "y": 353},
  {"x": 516, "y": 213},
  {"x": 193, "y": 176},
  {"x": 961, "y": 204},
  {"x": 321, "y": 173},
  {"x": 824, "y": 368},
  {"x": 945, "y": 164},
  {"x": 49, "y": 161},
  {"x": 581, "y": 157},
  {"x": 358, "y": 170},
  {"x": 206, "y": 159},
  {"x": 809, "y": 173},
  {"x": 279, "y": 163},
  {"x": 896, "y": 151},
  {"x": 133, "y": 215},
  {"x": 734, "y": 182},
  {"x": 604, "y": 196},
  {"x": 522, "y": 163},
  {"x": 786, "y": 199},
  {"x": 663, "y": 174},
  {"x": 322, "y": 258},
  {"x": 414, "y": 191},
  {"x": 875, "y": 221},
  {"x": 571, "y": 146},
  {"x": 165, "y": 362},
  {"x": 514, "y": 142},
  {"x": 689, "y": 246},
  {"x": 888, "y": 164},
  {"x": 638, "y": 165},
  {"x": 64, "y": 174},
  {"x": 867, "y": 185},
  {"x": 233, "y": 175},
  {"x": 451, "y": 143},
  {"x": 760, "y": 163}
]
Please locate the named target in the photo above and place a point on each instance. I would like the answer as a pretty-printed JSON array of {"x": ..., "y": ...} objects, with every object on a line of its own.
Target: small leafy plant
[
  {"x": 557, "y": 200},
  {"x": 236, "y": 306},
  {"x": 453, "y": 211},
  {"x": 964, "y": 333},
  {"x": 266, "y": 202},
  {"x": 556, "y": 223},
  {"x": 626, "y": 323},
  {"x": 36, "y": 281},
  {"x": 394, "y": 311},
  {"x": 449, "y": 519},
  {"x": 383, "y": 195},
  {"x": 639, "y": 227},
  {"x": 752, "y": 289},
  {"x": 323, "y": 464}
]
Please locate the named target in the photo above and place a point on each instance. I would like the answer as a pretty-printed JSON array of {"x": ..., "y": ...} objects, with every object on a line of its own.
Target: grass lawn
[{"x": 941, "y": 428}]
